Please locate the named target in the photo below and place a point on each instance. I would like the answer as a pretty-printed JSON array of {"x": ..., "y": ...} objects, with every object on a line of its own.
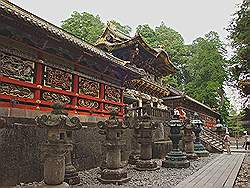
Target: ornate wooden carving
[
  {"x": 111, "y": 107},
  {"x": 112, "y": 94},
  {"x": 89, "y": 87},
  {"x": 56, "y": 97},
  {"x": 88, "y": 103},
  {"x": 58, "y": 79},
  {"x": 14, "y": 90},
  {"x": 16, "y": 67}
]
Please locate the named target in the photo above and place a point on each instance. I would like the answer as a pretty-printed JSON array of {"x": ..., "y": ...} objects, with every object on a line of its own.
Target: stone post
[
  {"x": 71, "y": 174},
  {"x": 176, "y": 158},
  {"x": 197, "y": 124},
  {"x": 56, "y": 123},
  {"x": 113, "y": 172},
  {"x": 145, "y": 126},
  {"x": 135, "y": 147},
  {"x": 189, "y": 141}
]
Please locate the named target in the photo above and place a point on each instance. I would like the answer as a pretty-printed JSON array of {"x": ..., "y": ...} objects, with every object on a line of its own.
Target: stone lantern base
[
  {"x": 71, "y": 176},
  {"x": 176, "y": 159},
  {"x": 63, "y": 185},
  {"x": 191, "y": 156},
  {"x": 200, "y": 150},
  {"x": 146, "y": 165},
  {"x": 115, "y": 176},
  {"x": 133, "y": 158}
]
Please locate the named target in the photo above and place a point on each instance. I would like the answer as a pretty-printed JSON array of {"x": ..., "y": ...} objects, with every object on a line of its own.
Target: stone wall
[
  {"x": 21, "y": 159},
  {"x": 20, "y": 155},
  {"x": 20, "y": 143}
]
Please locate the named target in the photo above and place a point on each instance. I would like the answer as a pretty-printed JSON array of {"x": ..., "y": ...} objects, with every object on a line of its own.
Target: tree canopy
[
  {"x": 84, "y": 25},
  {"x": 240, "y": 40}
]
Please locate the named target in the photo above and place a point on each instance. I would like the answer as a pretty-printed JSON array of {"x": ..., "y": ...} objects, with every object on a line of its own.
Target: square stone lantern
[{"x": 57, "y": 124}]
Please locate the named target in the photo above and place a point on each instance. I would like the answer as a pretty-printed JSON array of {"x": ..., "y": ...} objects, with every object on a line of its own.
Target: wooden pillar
[
  {"x": 75, "y": 90},
  {"x": 38, "y": 82},
  {"x": 122, "y": 99},
  {"x": 102, "y": 95}
]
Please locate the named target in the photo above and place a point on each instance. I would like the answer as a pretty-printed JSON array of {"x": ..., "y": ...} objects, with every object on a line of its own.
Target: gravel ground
[
  {"x": 164, "y": 177},
  {"x": 243, "y": 178}
]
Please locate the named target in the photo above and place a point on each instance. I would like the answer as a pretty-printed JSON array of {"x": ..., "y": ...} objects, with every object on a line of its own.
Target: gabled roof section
[
  {"x": 112, "y": 40},
  {"x": 31, "y": 19},
  {"x": 110, "y": 31},
  {"x": 177, "y": 94}
]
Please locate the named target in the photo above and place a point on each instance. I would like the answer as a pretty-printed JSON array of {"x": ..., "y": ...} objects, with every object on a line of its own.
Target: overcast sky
[{"x": 191, "y": 18}]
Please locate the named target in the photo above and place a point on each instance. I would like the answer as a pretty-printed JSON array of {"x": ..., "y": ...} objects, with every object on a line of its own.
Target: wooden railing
[{"x": 155, "y": 113}]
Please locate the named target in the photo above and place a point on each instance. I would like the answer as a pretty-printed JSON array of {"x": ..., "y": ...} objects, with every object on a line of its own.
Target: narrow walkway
[{"x": 221, "y": 172}]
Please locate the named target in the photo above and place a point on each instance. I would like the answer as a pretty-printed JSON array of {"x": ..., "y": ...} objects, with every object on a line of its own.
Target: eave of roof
[
  {"x": 182, "y": 95},
  {"x": 34, "y": 20},
  {"x": 159, "y": 54}
]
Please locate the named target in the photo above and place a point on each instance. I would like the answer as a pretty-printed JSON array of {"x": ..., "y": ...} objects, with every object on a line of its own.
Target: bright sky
[{"x": 191, "y": 18}]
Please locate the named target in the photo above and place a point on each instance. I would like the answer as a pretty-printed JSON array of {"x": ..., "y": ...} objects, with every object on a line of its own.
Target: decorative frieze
[
  {"x": 56, "y": 97},
  {"x": 111, "y": 107},
  {"x": 112, "y": 94},
  {"x": 57, "y": 79},
  {"x": 88, "y": 103},
  {"x": 17, "y": 68},
  {"x": 14, "y": 90},
  {"x": 89, "y": 87}
]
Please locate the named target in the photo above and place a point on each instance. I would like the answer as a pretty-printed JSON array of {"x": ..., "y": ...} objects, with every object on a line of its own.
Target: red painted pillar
[
  {"x": 38, "y": 82},
  {"x": 75, "y": 91},
  {"x": 102, "y": 95},
  {"x": 122, "y": 101}
]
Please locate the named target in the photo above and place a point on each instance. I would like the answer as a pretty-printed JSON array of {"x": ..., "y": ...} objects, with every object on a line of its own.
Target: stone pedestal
[
  {"x": 176, "y": 158},
  {"x": 71, "y": 174},
  {"x": 189, "y": 142},
  {"x": 145, "y": 162},
  {"x": 113, "y": 172},
  {"x": 135, "y": 154},
  {"x": 199, "y": 149},
  {"x": 54, "y": 162}
]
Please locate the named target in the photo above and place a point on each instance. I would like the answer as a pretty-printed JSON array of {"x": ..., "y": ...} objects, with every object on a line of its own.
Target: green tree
[
  {"x": 240, "y": 39},
  {"x": 123, "y": 28},
  {"x": 173, "y": 43},
  {"x": 206, "y": 70},
  {"x": 84, "y": 25}
]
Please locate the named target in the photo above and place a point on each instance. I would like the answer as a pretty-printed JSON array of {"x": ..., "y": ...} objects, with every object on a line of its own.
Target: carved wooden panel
[
  {"x": 89, "y": 87},
  {"x": 112, "y": 93},
  {"x": 88, "y": 103},
  {"x": 56, "y": 97},
  {"x": 111, "y": 107},
  {"x": 17, "y": 68},
  {"x": 14, "y": 90},
  {"x": 58, "y": 79}
]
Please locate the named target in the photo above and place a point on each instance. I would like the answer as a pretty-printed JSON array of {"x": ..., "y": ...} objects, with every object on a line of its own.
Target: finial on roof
[{"x": 111, "y": 25}]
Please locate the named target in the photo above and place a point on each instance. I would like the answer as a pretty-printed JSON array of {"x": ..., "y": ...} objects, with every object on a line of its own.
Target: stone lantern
[
  {"x": 189, "y": 140},
  {"x": 113, "y": 172},
  {"x": 176, "y": 158},
  {"x": 197, "y": 124},
  {"x": 219, "y": 128},
  {"x": 144, "y": 126},
  {"x": 57, "y": 124}
]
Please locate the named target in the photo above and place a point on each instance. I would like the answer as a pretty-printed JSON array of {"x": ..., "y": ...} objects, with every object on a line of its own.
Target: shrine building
[{"x": 41, "y": 64}]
